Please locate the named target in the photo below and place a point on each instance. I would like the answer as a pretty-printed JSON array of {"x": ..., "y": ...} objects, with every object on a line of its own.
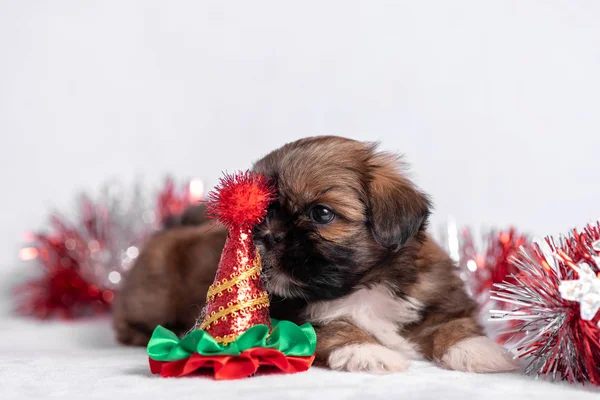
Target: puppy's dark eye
[{"x": 321, "y": 214}]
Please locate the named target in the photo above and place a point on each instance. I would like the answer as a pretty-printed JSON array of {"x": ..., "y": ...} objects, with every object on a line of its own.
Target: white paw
[
  {"x": 478, "y": 354},
  {"x": 372, "y": 358}
]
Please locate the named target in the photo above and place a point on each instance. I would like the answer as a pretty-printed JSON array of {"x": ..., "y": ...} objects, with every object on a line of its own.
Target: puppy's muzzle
[{"x": 269, "y": 239}]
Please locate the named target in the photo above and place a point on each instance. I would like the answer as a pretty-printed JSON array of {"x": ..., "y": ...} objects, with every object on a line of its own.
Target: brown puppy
[
  {"x": 347, "y": 236},
  {"x": 344, "y": 247},
  {"x": 168, "y": 283}
]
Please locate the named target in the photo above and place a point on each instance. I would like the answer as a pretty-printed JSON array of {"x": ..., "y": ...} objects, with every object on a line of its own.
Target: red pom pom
[{"x": 241, "y": 200}]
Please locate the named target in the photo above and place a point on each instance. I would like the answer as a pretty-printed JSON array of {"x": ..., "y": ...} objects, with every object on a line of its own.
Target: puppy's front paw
[
  {"x": 132, "y": 334},
  {"x": 478, "y": 354},
  {"x": 367, "y": 357}
]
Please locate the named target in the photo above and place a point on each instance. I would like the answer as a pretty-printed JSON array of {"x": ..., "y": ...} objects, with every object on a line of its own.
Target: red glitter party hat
[
  {"x": 236, "y": 336},
  {"x": 237, "y": 299}
]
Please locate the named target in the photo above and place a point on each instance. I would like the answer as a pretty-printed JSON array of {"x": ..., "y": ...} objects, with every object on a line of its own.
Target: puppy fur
[
  {"x": 376, "y": 287},
  {"x": 168, "y": 283}
]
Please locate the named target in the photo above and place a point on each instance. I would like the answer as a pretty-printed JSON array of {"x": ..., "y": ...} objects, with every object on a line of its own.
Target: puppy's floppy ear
[{"x": 397, "y": 210}]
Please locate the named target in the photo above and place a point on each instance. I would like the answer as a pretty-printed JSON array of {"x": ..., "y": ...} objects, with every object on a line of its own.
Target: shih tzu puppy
[
  {"x": 344, "y": 247},
  {"x": 167, "y": 285}
]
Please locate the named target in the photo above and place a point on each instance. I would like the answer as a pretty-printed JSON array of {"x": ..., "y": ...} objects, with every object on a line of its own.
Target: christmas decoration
[
  {"x": 172, "y": 201},
  {"x": 490, "y": 263},
  {"x": 552, "y": 305},
  {"x": 482, "y": 261},
  {"x": 237, "y": 300},
  {"x": 236, "y": 335},
  {"x": 83, "y": 262},
  {"x": 585, "y": 290}
]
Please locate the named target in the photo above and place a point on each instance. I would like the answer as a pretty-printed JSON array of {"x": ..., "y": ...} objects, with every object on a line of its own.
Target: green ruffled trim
[{"x": 287, "y": 337}]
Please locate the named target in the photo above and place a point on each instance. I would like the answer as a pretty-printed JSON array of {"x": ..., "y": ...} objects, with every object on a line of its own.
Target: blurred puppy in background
[
  {"x": 343, "y": 247},
  {"x": 168, "y": 283}
]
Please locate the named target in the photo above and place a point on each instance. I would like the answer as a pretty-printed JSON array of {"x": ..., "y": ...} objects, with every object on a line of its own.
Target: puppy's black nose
[
  {"x": 273, "y": 238},
  {"x": 278, "y": 237}
]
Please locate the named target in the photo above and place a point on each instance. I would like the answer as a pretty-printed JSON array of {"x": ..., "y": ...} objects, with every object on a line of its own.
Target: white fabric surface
[{"x": 75, "y": 360}]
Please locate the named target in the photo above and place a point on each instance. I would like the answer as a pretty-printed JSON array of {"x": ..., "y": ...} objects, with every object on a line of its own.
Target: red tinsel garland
[
  {"x": 488, "y": 264},
  {"x": 84, "y": 262}
]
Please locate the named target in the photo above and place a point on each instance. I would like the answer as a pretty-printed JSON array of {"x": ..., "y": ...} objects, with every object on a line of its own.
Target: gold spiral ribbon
[
  {"x": 259, "y": 302},
  {"x": 219, "y": 287}
]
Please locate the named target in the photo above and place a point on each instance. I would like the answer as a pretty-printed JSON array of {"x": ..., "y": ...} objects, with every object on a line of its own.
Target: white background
[{"x": 496, "y": 104}]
